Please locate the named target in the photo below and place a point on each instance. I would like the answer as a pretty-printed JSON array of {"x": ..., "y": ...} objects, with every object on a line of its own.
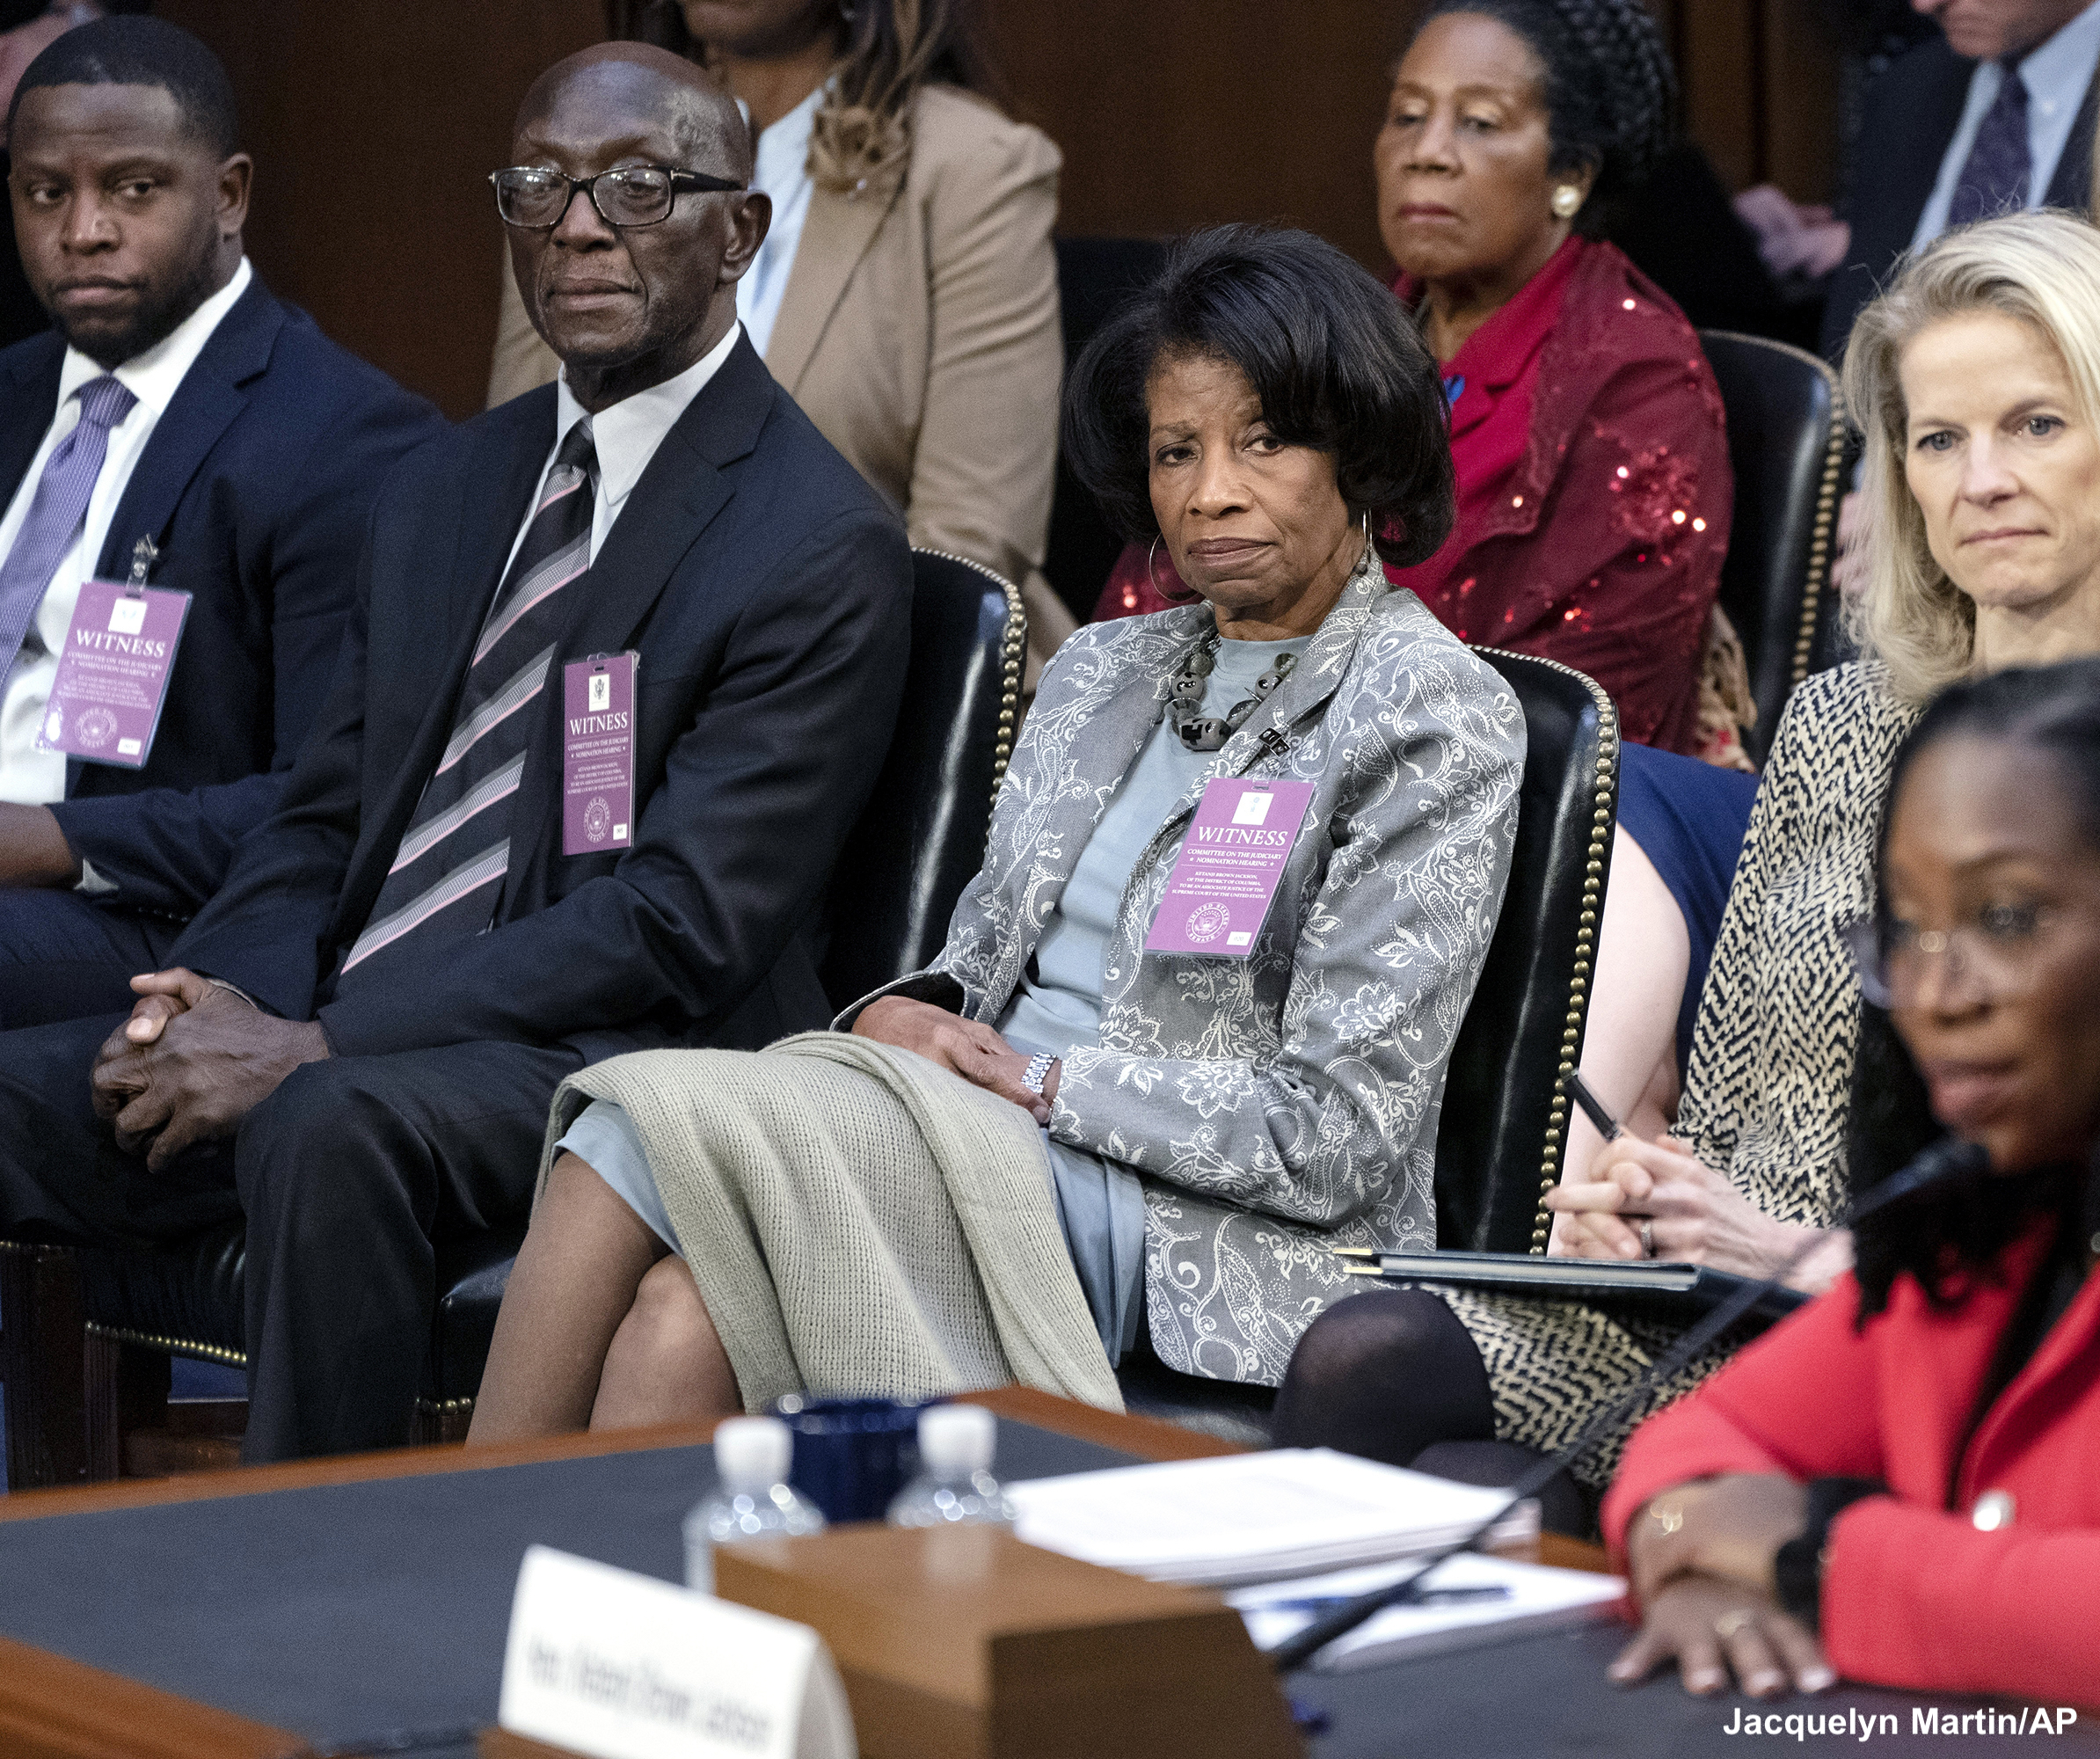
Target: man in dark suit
[
  {"x": 1997, "y": 113},
  {"x": 367, "y": 1024},
  {"x": 176, "y": 405}
]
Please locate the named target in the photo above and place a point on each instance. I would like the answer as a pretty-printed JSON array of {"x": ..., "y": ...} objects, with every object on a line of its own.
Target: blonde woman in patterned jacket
[
  {"x": 1198, "y": 1126},
  {"x": 1976, "y": 379}
]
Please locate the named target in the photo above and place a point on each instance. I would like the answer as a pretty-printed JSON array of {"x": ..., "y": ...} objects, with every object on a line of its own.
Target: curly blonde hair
[{"x": 2042, "y": 268}]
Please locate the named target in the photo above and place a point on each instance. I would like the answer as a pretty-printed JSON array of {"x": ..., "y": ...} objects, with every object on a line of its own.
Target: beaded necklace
[{"x": 1198, "y": 731}]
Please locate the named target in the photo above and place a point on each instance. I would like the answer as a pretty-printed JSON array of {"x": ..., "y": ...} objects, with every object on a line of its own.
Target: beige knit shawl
[{"x": 858, "y": 1220}]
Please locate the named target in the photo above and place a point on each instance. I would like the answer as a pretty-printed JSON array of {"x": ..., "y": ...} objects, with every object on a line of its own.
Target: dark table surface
[{"x": 354, "y": 1613}]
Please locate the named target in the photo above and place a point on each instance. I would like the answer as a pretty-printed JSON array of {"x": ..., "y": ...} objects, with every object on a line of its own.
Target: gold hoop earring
[{"x": 1567, "y": 200}]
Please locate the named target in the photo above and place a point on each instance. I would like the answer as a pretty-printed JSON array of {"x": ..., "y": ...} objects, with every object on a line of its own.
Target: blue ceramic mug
[{"x": 852, "y": 1456}]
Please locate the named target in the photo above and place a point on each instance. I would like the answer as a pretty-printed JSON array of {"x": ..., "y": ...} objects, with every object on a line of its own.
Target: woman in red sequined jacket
[{"x": 1594, "y": 488}]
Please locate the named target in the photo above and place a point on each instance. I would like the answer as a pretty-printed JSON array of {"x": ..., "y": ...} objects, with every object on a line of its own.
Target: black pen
[
  {"x": 1317, "y": 1604},
  {"x": 1593, "y": 1108}
]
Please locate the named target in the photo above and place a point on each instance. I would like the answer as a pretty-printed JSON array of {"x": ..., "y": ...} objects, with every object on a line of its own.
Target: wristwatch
[
  {"x": 1798, "y": 1564},
  {"x": 1038, "y": 1072}
]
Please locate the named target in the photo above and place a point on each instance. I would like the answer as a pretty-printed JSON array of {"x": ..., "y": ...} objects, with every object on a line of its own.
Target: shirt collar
[
  {"x": 155, "y": 375},
  {"x": 627, "y": 435},
  {"x": 782, "y": 160},
  {"x": 2061, "y": 66}
]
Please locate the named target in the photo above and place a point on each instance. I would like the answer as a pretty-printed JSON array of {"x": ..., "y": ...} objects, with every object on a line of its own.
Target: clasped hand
[
  {"x": 1694, "y": 1215},
  {"x": 1701, "y": 1559},
  {"x": 965, "y": 1047},
  {"x": 193, "y": 1059}
]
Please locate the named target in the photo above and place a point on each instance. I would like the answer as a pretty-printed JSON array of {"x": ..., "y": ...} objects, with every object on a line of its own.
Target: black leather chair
[
  {"x": 1094, "y": 277},
  {"x": 1506, "y": 1101},
  {"x": 1786, "y": 442},
  {"x": 85, "y": 1336}
]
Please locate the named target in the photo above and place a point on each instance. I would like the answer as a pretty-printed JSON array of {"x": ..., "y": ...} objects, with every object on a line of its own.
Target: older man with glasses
[{"x": 626, "y": 667}]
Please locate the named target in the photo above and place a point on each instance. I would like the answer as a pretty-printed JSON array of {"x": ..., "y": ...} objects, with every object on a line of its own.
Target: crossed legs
[{"x": 601, "y": 1325}]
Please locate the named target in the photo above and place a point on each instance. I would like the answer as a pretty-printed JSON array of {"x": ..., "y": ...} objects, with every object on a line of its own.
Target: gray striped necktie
[{"x": 448, "y": 869}]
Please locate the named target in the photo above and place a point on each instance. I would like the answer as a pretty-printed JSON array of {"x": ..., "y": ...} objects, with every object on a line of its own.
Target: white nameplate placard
[{"x": 616, "y": 1666}]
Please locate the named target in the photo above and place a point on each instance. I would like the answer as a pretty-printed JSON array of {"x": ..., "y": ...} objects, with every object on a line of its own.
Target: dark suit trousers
[
  {"x": 62, "y": 956},
  {"x": 347, "y": 1174}
]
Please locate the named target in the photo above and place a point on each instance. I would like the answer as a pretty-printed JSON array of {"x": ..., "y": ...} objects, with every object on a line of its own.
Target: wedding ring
[
  {"x": 1730, "y": 1623},
  {"x": 1647, "y": 1237}
]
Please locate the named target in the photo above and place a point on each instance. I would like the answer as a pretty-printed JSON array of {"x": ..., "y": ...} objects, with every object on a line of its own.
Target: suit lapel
[
  {"x": 834, "y": 237},
  {"x": 28, "y": 400},
  {"x": 203, "y": 407},
  {"x": 677, "y": 498},
  {"x": 500, "y": 473},
  {"x": 1911, "y": 175}
]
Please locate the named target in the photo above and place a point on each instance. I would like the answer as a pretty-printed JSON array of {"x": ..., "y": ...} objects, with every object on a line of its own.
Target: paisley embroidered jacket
[{"x": 1280, "y": 1104}]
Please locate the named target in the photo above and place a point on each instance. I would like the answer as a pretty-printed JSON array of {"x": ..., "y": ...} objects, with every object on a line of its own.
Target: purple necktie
[
  {"x": 62, "y": 494},
  {"x": 1994, "y": 180}
]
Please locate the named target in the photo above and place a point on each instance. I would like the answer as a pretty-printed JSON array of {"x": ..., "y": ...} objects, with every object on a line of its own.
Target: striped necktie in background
[{"x": 449, "y": 870}]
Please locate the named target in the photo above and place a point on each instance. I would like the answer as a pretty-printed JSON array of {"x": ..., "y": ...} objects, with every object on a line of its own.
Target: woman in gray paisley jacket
[{"x": 1059, "y": 1138}]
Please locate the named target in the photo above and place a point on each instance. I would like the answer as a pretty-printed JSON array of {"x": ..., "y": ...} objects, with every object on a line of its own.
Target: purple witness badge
[
  {"x": 597, "y": 755},
  {"x": 113, "y": 677},
  {"x": 1231, "y": 860}
]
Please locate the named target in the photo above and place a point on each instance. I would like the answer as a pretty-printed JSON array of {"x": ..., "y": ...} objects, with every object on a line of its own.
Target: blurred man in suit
[
  {"x": 176, "y": 405},
  {"x": 358, "y": 1046},
  {"x": 1996, "y": 113}
]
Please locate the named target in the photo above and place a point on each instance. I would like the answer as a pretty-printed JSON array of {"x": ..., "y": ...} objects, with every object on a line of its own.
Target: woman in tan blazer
[{"x": 915, "y": 317}]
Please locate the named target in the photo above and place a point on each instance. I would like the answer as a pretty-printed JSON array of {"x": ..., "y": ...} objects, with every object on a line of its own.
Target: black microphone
[{"x": 1944, "y": 1160}]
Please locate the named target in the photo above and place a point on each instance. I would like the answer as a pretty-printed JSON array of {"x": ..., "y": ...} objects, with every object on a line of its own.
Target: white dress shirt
[
  {"x": 780, "y": 169},
  {"x": 2056, "y": 74},
  {"x": 29, "y": 776},
  {"x": 625, "y": 436}
]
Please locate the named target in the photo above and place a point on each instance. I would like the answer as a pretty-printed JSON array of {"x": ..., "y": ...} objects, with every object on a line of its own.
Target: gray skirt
[{"x": 1100, "y": 1207}]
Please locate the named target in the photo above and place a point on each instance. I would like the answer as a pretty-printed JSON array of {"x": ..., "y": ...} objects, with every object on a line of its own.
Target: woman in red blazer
[{"x": 1904, "y": 1477}]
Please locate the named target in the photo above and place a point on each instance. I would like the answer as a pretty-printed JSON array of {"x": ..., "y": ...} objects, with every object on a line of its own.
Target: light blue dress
[{"x": 1100, "y": 1204}]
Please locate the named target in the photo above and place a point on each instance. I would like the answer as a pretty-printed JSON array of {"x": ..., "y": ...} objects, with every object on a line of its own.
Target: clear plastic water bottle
[
  {"x": 955, "y": 1483},
  {"x": 753, "y": 1500}
]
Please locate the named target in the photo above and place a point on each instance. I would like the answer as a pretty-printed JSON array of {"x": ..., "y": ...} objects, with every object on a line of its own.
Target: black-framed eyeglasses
[{"x": 628, "y": 195}]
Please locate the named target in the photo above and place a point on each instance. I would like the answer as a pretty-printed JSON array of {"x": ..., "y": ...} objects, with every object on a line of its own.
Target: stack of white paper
[
  {"x": 1255, "y": 1517},
  {"x": 1468, "y": 1600}
]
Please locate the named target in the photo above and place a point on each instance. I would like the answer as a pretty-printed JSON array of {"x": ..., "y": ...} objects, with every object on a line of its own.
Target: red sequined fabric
[{"x": 1600, "y": 545}]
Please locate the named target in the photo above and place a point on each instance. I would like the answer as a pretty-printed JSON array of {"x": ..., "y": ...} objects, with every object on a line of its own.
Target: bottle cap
[
  {"x": 751, "y": 1453},
  {"x": 955, "y": 1439}
]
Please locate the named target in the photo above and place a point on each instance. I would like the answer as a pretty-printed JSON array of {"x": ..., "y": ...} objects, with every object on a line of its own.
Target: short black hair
[
  {"x": 136, "y": 50},
  {"x": 1330, "y": 352},
  {"x": 1611, "y": 93}
]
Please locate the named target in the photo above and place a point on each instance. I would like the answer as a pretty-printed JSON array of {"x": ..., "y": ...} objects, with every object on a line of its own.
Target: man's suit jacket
[
  {"x": 255, "y": 486},
  {"x": 1911, "y": 113},
  {"x": 767, "y": 590}
]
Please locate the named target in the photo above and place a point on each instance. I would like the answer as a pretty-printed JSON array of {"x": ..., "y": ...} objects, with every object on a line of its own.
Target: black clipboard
[{"x": 1675, "y": 1292}]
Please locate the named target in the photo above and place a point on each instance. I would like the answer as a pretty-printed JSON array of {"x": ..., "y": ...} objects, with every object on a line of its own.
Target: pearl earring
[{"x": 1567, "y": 200}]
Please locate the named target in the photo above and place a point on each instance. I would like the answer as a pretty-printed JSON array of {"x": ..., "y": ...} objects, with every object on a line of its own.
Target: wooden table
[{"x": 55, "y": 1708}]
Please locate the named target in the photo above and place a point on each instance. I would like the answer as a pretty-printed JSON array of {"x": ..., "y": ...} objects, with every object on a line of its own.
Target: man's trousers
[{"x": 348, "y": 1175}]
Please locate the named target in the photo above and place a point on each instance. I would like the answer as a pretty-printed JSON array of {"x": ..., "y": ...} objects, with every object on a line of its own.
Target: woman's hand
[
  {"x": 1727, "y": 1528},
  {"x": 965, "y": 1047},
  {"x": 1693, "y": 1214},
  {"x": 1708, "y": 1627}
]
